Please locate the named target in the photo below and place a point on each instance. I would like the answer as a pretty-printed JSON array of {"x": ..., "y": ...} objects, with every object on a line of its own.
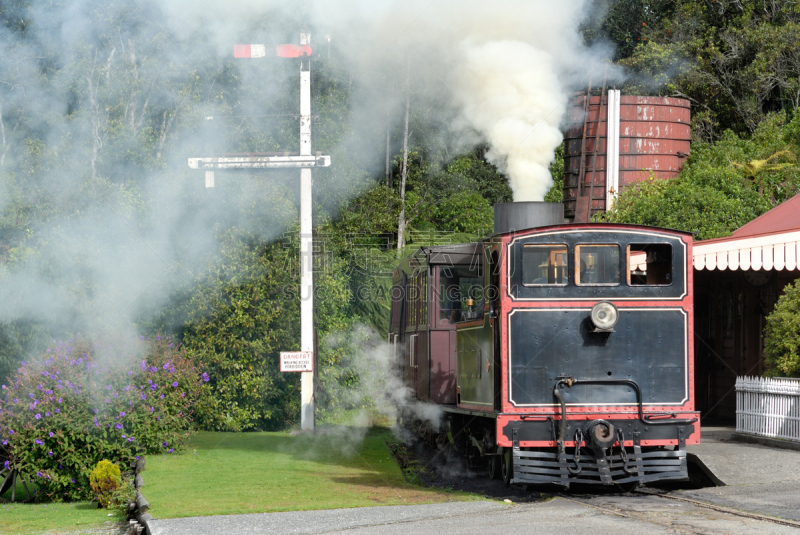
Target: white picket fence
[{"x": 768, "y": 407}]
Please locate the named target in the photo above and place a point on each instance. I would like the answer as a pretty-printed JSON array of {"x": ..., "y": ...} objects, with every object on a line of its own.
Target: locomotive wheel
[
  {"x": 10, "y": 482},
  {"x": 507, "y": 466},
  {"x": 495, "y": 471}
]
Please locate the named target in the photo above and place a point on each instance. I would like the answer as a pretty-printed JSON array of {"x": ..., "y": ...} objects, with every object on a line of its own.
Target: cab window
[
  {"x": 544, "y": 265},
  {"x": 649, "y": 264},
  {"x": 597, "y": 265},
  {"x": 460, "y": 294}
]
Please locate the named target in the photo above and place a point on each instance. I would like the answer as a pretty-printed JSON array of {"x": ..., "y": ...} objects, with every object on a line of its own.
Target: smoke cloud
[
  {"x": 112, "y": 98},
  {"x": 374, "y": 382},
  {"x": 498, "y": 73},
  {"x": 510, "y": 93}
]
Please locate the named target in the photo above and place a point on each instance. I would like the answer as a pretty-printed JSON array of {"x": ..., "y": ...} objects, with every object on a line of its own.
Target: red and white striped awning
[
  {"x": 638, "y": 261},
  {"x": 780, "y": 251},
  {"x": 770, "y": 241}
]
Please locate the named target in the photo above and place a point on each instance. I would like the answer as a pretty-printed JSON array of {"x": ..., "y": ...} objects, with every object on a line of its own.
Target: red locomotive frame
[{"x": 505, "y": 433}]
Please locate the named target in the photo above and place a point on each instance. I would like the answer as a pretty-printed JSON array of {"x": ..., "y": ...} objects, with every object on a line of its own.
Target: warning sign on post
[{"x": 297, "y": 361}]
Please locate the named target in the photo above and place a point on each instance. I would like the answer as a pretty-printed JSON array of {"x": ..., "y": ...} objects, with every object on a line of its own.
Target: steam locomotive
[{"x": 559, "y": 354}]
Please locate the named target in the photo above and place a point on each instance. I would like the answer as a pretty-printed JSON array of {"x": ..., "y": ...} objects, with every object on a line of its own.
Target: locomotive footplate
[{"x": 597, "y": 456}]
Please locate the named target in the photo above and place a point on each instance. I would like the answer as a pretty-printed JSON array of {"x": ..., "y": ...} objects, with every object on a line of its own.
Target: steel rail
[{"x": 723, "y": 509}]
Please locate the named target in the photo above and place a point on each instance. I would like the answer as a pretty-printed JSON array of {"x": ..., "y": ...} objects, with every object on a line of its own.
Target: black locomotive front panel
[
  {"x": 597, "y": 355},
  {"x": 647, "y": 346}
]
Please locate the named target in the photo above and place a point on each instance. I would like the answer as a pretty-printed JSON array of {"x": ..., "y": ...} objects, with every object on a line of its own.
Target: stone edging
[
  {"x": 765, "y": 441},
  {"x": 138, "y": 517}
]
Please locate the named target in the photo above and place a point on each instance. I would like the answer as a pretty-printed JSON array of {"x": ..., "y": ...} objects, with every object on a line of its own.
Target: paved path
[
  {"x": 610, "y": 514},
  {"x": 737, "y": 463},
  {"x": 757, "y": 479}
]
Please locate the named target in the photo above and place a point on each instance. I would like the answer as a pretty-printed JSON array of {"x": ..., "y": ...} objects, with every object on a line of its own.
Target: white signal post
[
  {"x": 305, "y": 161},
  {"x": 306, "y": 245}
]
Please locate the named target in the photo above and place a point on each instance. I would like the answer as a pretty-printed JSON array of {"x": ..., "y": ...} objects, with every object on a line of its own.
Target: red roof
[
  {"x": 783, "y": 218},
  {"x": 771, "y": 241}
]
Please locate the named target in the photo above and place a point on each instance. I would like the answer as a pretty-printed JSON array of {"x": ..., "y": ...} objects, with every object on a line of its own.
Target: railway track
[
  {"x": 645, "y": 504},
  {"x": 619, "y": 505},
  {"x": 727, "y": 510}
]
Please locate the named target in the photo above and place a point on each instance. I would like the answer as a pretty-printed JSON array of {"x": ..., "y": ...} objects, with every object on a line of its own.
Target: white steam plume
[
  {"x": 492, "y": 72},
  {"x": 507, "y": 68},
  {"x": 510, "y": 93},
  {"x": 367, "y": 381},
  {"x": 379, "y": 377}
]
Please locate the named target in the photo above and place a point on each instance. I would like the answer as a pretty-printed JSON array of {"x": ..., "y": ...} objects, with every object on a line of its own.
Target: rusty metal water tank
[{"x": 650, "y": 136}]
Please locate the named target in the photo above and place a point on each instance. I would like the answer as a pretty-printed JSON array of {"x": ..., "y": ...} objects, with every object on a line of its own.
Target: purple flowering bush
[{"x": 81, "y": 402}]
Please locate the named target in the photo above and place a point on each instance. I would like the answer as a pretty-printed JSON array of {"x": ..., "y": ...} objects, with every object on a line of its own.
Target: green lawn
[
  {"x": 52, "y": 518},
  {"x": 233, "y": 473}
]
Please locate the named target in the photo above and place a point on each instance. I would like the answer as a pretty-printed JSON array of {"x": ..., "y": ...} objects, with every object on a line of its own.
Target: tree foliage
[
  {"x": 242, "y": 314},
  {"x": 736, "y": 61},
  {"x": 716, "y": 193},
  {"x": 556, "y": 193},
  {"x": 107, "y": 160},
  {"x": 782, "y": 334},
  {"x": 625, "y": 23}
]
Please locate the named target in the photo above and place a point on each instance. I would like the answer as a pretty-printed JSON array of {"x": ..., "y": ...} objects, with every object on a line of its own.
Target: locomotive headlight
[{"x": 604, "y": 316}]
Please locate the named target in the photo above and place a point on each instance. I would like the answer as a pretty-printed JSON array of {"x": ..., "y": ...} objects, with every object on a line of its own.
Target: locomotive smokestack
[{"x": 511, "y": 216}]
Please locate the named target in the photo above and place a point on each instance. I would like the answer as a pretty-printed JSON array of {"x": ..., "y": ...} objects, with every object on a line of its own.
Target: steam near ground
[
  {"x": 378, "y": 387},
  {"x": 484, "y": 72}
]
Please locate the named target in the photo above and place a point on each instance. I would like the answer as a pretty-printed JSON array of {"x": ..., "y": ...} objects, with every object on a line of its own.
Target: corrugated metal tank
[{"x": 653, "y": 138}]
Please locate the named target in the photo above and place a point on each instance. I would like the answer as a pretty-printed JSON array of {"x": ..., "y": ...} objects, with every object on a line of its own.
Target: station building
[{"x": 737, "y": 282}]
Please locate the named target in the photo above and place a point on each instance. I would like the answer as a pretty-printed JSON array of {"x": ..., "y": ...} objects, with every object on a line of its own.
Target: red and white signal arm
[
  {"x": 277, "y": 51},
  {"x": 297, "y": 361}
]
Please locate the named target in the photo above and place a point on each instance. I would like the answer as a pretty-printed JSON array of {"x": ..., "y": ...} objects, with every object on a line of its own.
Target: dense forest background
[{"x": 105, "y": 230}]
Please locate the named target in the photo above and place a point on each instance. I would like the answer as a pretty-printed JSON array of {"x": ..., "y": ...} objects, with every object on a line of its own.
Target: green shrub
[
  {"x": 104, "y": 480},
  {"x": 240, "y": 317},
  {"x": 124, "y": 494},
  {"x": 82, "y": 402},
  {"x": 782, "y": 335},
  {"x": 466, "y": 211}
]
